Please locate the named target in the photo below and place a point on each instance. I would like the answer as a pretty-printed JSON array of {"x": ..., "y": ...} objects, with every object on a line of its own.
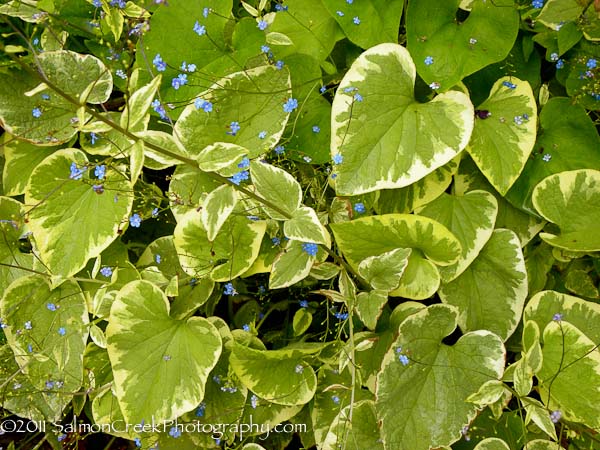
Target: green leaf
[
  {"x": 501, "y": 143},
  {"x": 305, "y": 226},
  {"x": 470, "y": 218},
  {"x": 568, "y": 357},
  {"x": 11, "y": 228},
  {"x": 139, "y": 103},
  {"x": 278, "y": 187},
  {"x": 537, "y": 413},
  {"x": 421, "y": 278},
  {"x": 369, "y": 306},
  {"x": 160, "y": 364},
  {"x": 231, "y": 253},
  {"x": 384, "y": 271},
  {"x": 435, "y": 412},
  {"x": 567, "y": 199},
  {"x": 21, "y": 158},
  {"x": 379, "y": 20},
  {"x": 278, "y": 376},
  {"x": 301, "y": 322},
  {"x": 254, "y": 98},
  {"x": 541, "y": 444},
  {"x": 489, "y": 392},
  {"x": 490, "y": 293},
  {"x": 558, "y": 12},
  {"x": 360, "y": 426},
  {"x": 568, "y": 137},
  {"x": 68, "y": 207},
  {"x": 433, "y": 29},
  {"x": 581, "y": 283},
  {"x": 406, "y": 140},
  {"x": 492, "y": 444},
  {"x": 290, "y": 266},
  {"x": 217, "y": 207},
  {"x": 374, "y": 235},
  {"x": 221, "y": 157},
  {"x": 52, "y": 350}
]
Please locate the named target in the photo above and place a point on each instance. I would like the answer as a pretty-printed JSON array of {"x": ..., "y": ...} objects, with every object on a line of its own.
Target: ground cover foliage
[{"x": 378, "y": 219}]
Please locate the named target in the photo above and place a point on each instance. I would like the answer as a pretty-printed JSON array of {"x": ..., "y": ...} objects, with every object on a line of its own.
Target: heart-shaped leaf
[
  {"x": 11, "y": 229},
  {"x": 406, "y": 140},
  {"x": 72, "y": 222},
  {"x": 458, "y": 47},
  {"x": 359, "y": 427},
  {"x": 160, "y": 364},
  {"x": 570, "y": 200},
  {"x": 416, "y": 409},
  {"x": 504, "y": 133},
  {"x": 490, "y": 293},
  {"x": 384, "y": 271}
]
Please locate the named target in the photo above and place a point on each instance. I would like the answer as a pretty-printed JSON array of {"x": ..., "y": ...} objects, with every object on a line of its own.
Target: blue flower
[
  {"x": 100, "y": 171},
  {"x": 158, "y": 62},
  {"x": 29, "y": 348},
  {"x": 560, "y": 64},
  {"x": 303, "y": 303},
  {"x": 316, "y": 129},
  {"x": 307, "y": 158},
  {"x": 280, "y": 149},
  {"x": 555, "y": 416},
  {"x": 51, "y": 307},
  {"x": 49, "y": 384},
  {"x": 262, "y": 25},
  {"x": 310, "y": 248},
  {"x": 234, "y": 127},
  {"x": 76, "y": 173},
  {"x": 179, "y": 80},
  {"x": 547, "y": 157},
  {"x": 229, "y": 289},
  {"x": 262, "y": 135},
  {"x": 154, "y": 213},
  {"x": 118, "y": 3},
  {"x": 557, "y": 317},
  {"x": 349, "y": 1},
  {"x": 403, "y": 359},
  {"x": 239, "y": 177},
  {"x": 340, "y": 13},
  {"x": 265, "y": 48},
  {"x": 279, "y": 7},
  {"x": 509, "y": 85},
  {"x": 158, "y": 259},
  {"x": 28, "y": 325},
  {"x": 36, "y": 112},
  {"x": 61, "y": 437},
  {"x": 175, "y": 432},
  {"x": 254, "y": 401},
  {"x": 359, "y": 207},
  {"x": 45, "y": 97},
  {"x": 554, "y": 57},
  {"x": 246, "y": 327},
  {"x": 206, "y": 12},
  {"x": 98, "y": 188},
  {"x": 97, "y": 3},
  {"x": 244, "y": 163},
  {"x": 335, "y": 399},
  {"x": 299, "y": 368},
  {"x": 93, "y": 138},
  {"x": 518, "y": 120},
  {"x": 356, "y": 21},
  {"x": 279, "y": 65},
  {"x": 338, "y": 159},
  {"x": 106, "y": 271},
  {"x": 350, "y": 89},
  {"x": 138, "y": 442},
  {"x": 200, "y": 30},
  {"x": 290, "y": 105},
  {"x": 434, "y": 85},
  {"x": 591, "y": 63},
  {"x": 62, "y": 331},
  {"x": 205, "y": 105},
  {"x": 537, "y": 4},
  {"x": 276, "y": 240},
  {"x": 322, "y": 89},
  {"x": 428, "y": 60},
  {"x": 358, "y": 97},
  {"x": 341, "y": 315},
  {"x": 121, "y": 74},
  {"x": 135, "y": 220},
  {"x": 159, "y": 109},
  {"x": 201, "y": 409}
]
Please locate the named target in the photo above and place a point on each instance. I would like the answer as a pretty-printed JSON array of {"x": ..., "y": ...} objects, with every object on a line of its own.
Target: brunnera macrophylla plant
[{"x": 355, "y": 223}]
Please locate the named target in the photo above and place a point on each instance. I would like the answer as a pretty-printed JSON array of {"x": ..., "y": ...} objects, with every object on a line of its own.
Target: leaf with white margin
[
  {"x": 571, "y": 200},
  {"x": 274, "y": 375},
  {"x": 542, "y": 444},
  {"x": 360, "y": 431},
  {"x": 67, "y": 207},
  {"x": 421, "y": 278},
  {"x": 216, "y": 209},
  {"x": 384, "y": 271},
  {"x": 416, "y": 410},
  {"x": 406, "y": 140},
  {"x": 470, "y": 218},
  {"x": 231, "y": 253},
  {"x": 374, "y": 235},
  {"x": 305, "y": 226},
  {"x": 43, "y": 352},
  {"x": 491, "y": 292},
  {"x": 139, "y": 103},
  {"x": 369, "y": 306},
  {"x": 21, "y": 158},
  {"x": 160, "y": 364},
  {"x": 278, "y": 187},
  {"x": 254, "y": 98},
  {"x": 569, "y": 357},
  {"x": 500, "y": 144},
  {"x": 492, "y": 444},
  {"x": 221, "y": 157},
  {"x": 12, "y": 224},
  {"x": 290, "y": 266}
]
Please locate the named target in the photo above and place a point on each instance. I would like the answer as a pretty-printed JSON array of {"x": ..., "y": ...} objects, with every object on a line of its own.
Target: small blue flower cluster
[{"x": 310, "y": 248}]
